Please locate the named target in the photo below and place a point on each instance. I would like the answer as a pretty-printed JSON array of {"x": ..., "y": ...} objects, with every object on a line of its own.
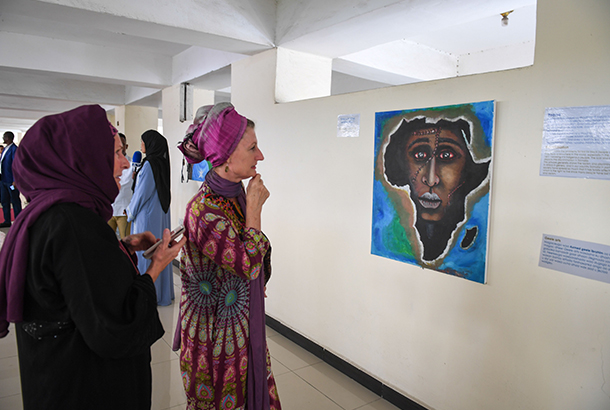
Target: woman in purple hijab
[
  {"x": 224, "y": 359},
  {"x": 84, "y": 317}
]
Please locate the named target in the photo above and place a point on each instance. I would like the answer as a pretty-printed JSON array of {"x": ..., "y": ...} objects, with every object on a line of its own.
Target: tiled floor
[{"x": 304, "y": 381}]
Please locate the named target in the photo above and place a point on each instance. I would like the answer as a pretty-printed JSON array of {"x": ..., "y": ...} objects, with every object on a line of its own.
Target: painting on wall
[{"x": 431, "y": 187}]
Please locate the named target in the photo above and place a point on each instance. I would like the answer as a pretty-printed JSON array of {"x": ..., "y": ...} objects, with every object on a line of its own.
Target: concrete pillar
[
  {"x": 111, "y": 115},
  {"x": 174, "y": 131},
  {"x": 300, "y": 76},
  {"x": 133, "y": 121}
]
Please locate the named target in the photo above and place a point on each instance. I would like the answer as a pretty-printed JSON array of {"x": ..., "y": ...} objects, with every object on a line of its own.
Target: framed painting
[{"x": 431, "y": 189}]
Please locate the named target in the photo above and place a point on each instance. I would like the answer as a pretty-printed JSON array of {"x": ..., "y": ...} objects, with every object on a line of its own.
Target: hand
[
  {"x": 139, "y": 241},
  {"x": 166, "y": 252},
  {"x": 257, "y": 193}
]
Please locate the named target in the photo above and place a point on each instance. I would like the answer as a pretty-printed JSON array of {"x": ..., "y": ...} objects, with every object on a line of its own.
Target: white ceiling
[{"x": 59, "y": 54}]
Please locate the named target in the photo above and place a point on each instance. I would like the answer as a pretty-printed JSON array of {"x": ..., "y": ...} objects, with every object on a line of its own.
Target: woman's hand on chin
[
  {"x": 256, "y": 196},
  {"x": 257, "y": 193}
]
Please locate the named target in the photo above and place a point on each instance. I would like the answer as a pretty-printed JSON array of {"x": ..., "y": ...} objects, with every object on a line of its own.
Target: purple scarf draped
[
  {"x": 227, "y": 188},
  {"x": 62, "y": 158},
  {"x": 258, "y": 388}
]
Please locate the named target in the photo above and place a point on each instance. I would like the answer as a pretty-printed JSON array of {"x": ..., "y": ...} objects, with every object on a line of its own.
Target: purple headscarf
[
  {"x": 62, "y": 158},
  {"x": 214, "y": 134}
]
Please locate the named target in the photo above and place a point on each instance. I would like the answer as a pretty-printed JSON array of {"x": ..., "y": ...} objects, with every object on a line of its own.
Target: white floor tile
[
  {"x": 177, "y": 280},
  {"x": 270, "y": 332},
  {"x": 334, "y": 384},
  {"x": 8, "y": 344},
  {"x": 11, "y": 403},
  {"x": 10, "y": 383},
  {"x": 169, "y": 319},
  {"x": 162, "y": 352},
  {"x": 379, "y": 404},
  {"x": 289, "y": 354},
  {"x": 168, "y": 391},
  {"x": 277, "y": 367},
  {"x": 296, "y": 394}
]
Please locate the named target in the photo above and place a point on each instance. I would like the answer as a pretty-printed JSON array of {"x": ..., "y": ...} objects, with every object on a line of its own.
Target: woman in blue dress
[{"x": 149, "y": 206}]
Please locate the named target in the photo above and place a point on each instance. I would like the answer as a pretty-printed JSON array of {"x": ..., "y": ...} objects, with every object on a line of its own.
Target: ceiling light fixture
[{"x": 504, "y": 21}]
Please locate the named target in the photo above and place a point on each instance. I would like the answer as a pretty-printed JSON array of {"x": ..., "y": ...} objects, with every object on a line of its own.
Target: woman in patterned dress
[{"x": 224, "y": 267}]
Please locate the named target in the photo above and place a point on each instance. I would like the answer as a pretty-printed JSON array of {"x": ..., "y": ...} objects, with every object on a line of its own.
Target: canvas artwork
[{"x": 432, "y": 187}]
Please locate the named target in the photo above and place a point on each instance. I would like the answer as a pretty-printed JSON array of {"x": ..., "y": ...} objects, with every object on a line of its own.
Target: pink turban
[{"x": 214, "y": 134}]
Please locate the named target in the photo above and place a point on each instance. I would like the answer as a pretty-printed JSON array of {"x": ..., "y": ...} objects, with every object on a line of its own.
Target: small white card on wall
[{"x": 348, "y": 125}]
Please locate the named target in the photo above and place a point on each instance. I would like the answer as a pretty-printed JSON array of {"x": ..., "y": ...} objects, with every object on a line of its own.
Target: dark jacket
[{"x": 7, "y": 164}]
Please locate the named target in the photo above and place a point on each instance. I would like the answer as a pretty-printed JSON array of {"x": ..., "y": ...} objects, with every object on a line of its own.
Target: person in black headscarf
[{"x": 149, "y": 206}]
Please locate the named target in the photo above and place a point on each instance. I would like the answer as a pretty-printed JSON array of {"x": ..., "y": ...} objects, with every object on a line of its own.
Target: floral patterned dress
[{"x": 218, "y": 263}]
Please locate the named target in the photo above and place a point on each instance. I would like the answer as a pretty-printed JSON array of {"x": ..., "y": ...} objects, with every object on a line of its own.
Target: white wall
[{"x": 532, "y": 338}]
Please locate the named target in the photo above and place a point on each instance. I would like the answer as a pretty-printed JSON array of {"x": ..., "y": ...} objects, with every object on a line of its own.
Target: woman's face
[
  {"x": 242, "y": 162},
  {"x": 436, "y": 164},
  {"x": 120, "y": 162},
  {"x": 142, "y": 147}
]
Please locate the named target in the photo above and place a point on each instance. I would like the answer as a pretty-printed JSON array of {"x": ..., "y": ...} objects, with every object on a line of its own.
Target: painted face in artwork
[{"x": 436, "y": 162}]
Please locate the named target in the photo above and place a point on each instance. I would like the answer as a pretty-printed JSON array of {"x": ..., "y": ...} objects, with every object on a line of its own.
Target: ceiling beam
[
  {"x": 36, "y": 84},
  {"x": 105, "y": 64},
  {"x": 220, "y": 24}
]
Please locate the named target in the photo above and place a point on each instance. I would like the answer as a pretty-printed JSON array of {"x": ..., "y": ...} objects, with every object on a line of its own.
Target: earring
[{"x": 227, "y": 168}]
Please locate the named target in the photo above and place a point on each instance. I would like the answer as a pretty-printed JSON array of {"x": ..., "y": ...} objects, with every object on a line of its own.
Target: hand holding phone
[{"x": 148, "y": 253}]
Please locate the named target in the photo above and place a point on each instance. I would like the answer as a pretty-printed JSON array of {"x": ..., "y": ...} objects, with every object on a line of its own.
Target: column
[{"x": 133, "y": 121}]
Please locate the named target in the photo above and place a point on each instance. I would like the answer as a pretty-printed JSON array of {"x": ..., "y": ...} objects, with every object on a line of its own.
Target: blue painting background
[{"x": 389, "y": 238}]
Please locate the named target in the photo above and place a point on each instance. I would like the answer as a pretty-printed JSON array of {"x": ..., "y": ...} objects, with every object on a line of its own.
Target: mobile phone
[{"x": 148, "y": 253}]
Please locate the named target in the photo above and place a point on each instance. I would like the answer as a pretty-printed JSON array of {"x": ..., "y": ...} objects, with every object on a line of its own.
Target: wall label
[
  {"x": 576, "y": 142},
  {"x": 586, "y": 259}
]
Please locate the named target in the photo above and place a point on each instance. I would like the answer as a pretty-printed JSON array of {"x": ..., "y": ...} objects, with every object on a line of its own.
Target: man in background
[{"x": 9, "y": 194}]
